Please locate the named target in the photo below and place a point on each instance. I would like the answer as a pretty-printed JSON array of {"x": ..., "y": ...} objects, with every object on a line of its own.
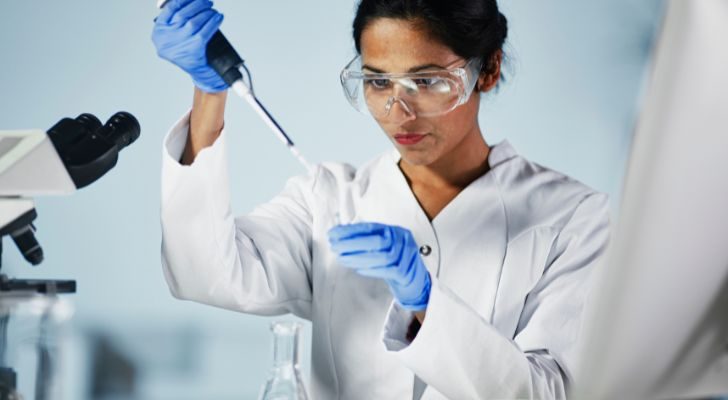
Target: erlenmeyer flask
[{"x": 285, "y": 381}]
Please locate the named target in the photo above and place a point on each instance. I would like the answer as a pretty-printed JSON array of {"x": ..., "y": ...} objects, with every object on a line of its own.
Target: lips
[{"x": 409, "y": 138}]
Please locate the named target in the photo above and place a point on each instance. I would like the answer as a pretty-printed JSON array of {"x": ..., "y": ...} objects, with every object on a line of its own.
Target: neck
[{"x": 461, "y": 166}]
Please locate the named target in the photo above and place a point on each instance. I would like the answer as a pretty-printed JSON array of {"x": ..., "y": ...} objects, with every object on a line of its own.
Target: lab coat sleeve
[
  {"x": 462, "y": 356},
  {"x": 258, "y": 263}
]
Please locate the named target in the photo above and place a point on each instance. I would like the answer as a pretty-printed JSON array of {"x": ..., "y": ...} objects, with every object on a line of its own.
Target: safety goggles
[{"x": 423, "y": 94}]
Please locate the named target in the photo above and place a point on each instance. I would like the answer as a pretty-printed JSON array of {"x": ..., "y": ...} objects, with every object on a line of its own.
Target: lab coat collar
[
  {"x": 484, "y": 188},
  {"x": 500, "y": 153}
]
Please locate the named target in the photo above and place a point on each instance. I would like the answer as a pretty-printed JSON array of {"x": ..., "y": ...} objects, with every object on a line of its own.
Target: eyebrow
[{"x": 413, "y": 69}]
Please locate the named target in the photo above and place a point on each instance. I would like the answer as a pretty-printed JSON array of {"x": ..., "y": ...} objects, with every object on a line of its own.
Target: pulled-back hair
[{"x": 471, "y": 28}]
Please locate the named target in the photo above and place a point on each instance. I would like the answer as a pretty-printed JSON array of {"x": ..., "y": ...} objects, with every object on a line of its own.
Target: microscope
[{"x": 72, "y": 154}]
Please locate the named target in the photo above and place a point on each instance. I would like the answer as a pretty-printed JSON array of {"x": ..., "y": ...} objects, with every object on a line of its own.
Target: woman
[{"x": 448, "y": 268}]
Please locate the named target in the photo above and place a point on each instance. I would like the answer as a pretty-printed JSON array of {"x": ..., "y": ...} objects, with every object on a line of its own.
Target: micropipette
[{"x": 223, "y": 58}]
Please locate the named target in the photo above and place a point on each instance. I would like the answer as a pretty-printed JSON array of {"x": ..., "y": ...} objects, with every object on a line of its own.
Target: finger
[
  {"x": 165, "y": 47},
  {"x": 398, "y": 244},
  {"x": 189, "y": 11},
  {"x": 380, "y": 272},
  {"x": 210, "y": 27},
  {"x": 365, "y": 260},
  {"x": 340, "y": 232},
  {"x": 196, "y": 23},
  {"x": 360, "y": 244},
  {"x": 171, "y": 7}
]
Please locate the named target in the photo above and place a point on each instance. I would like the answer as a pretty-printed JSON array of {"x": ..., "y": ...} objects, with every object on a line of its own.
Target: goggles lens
[{"x": 428, "y": 93}]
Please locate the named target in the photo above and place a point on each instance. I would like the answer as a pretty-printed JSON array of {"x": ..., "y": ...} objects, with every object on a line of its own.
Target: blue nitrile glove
[
  {"x": 181, "y": 33},
  {"x": 386, "y": 252}
]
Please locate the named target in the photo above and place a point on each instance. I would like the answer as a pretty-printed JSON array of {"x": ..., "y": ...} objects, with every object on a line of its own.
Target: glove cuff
[
  {"x": 216, "y": 87},
  {"x": 421, "y": 302}
]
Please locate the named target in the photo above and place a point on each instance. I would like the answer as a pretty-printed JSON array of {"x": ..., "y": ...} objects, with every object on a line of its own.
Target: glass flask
[
  {"x": 285, "y": 381},
  {"x": 32, "y": 326}
]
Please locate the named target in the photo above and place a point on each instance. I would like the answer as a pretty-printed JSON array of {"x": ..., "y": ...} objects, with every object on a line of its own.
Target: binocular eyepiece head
[
  {"x": 122, "y": 129},
  {"x": 88, "y": 148}
]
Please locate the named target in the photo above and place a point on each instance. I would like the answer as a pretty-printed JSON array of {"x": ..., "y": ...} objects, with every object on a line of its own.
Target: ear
[{"x": 489, "y": 78}]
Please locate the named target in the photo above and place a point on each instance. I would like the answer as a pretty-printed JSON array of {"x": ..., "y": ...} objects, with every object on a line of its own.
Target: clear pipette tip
[{"x": 300, "y": 158}]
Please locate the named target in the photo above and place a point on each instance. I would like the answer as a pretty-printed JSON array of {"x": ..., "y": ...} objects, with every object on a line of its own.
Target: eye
[
  {"x": 426, "y": 82},
  {"x": 381, "y": 83},
  {"x": 433, "y": 84}
]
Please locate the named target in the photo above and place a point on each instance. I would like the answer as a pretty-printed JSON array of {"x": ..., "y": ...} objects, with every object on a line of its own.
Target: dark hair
[{"x": 471, "y": 28}]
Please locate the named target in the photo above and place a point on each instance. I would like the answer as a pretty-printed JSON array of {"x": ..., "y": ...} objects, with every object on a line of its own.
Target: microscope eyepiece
[
  {"x": 89, "y": 121},
  {"x": 121, "y": 129}
]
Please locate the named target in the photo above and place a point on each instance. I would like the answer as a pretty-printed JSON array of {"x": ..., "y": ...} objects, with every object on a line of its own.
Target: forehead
[{"x": 397, "y": 45}]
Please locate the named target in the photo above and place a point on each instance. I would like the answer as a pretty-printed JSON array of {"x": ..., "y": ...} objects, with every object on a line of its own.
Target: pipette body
[{"x": 222, "y": 57}]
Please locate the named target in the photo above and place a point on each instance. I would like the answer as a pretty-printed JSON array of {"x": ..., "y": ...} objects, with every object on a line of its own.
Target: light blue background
[{"x": 575, "y": 74}]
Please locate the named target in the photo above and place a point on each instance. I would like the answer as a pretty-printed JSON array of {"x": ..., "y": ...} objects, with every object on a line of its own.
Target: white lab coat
[{"x": 510, "y": 260}]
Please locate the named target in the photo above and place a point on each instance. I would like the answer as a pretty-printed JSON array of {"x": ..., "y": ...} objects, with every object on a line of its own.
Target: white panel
[
  {"x": 32, "y": 166},
  {"x": 660, "y": 312}
]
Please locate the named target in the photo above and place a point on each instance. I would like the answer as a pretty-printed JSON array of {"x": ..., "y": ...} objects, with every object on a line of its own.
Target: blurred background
[{"x": 574, "y": 78}]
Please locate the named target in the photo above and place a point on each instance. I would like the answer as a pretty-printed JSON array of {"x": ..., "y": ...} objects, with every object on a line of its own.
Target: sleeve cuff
[
  {"x": 207, "y": 174},
  {"x": 455, "y": 338},
  {"x": 176, "y": 139},
  {"x": 398, "y": 319},
  {"x": 396, "y": 327}
]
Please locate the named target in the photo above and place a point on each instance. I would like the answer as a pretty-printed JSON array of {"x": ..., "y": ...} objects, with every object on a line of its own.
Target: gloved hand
[
  {"x": 386, "y": 252},
  {"x": 181, "y": 33}
]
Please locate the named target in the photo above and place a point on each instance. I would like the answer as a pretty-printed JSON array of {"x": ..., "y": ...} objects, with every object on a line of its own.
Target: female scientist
[{"x": 445, "y": 269}]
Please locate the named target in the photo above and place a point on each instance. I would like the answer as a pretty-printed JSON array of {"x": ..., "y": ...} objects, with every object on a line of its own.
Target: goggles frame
[{"x": 463, "y": 78}]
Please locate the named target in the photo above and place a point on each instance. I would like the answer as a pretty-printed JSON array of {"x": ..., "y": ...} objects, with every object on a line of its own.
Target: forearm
[{"x": 206, "y": 123}]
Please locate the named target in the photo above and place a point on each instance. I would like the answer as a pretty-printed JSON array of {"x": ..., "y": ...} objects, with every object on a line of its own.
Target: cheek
[
  {"x": 468, "y": 112},
  {"x": 456, "y": 124}
]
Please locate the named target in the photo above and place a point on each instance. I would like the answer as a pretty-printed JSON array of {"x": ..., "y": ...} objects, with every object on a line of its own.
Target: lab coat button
[{"x": 425, "y": 250}]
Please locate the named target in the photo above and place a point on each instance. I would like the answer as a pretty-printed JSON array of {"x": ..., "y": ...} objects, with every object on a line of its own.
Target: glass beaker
[
  {"x": 285, "y": 380},
  {"x": 31, "y": 329}
]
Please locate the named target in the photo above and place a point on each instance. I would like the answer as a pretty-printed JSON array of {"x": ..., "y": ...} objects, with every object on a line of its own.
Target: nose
[{"x": 397, "y": 110}]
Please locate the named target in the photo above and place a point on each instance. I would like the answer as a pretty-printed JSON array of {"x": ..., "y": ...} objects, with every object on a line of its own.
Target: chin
[{"x": 416, "y": 158}]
